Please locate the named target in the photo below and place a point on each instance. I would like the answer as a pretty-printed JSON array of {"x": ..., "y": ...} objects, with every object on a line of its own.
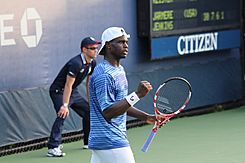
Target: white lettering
[
  {"x": 207, "y": 42},
  {"x": 6, "y": 29},
  {"x": 214, "y": 41},
  {"x": 197, "y": 43},
  {"x": 200, "y": 47},
  {"x": 192, "y": 38},
  {"x": 181, "y": 50},
  {"x": 30, "y": 14},
  {"x": 31, "y": 40}
]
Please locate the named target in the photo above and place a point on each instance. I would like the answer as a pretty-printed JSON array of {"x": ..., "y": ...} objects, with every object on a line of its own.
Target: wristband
[
  {"x": 65, "y": 105},
  {"x": 132, "y": 99}
]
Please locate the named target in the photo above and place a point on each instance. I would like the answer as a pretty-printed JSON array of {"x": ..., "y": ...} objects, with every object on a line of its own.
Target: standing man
[
  {"x": 110, "y": 103},
  {"x": 64, "y": 94}
]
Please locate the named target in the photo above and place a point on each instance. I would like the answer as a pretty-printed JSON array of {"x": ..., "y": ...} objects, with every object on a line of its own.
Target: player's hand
[
  {"x": 162, "y": 120},
  {"x": 151, "y": 119},
  {"x": 144, "y": 87},
  {"x": 63, "y": 112}
]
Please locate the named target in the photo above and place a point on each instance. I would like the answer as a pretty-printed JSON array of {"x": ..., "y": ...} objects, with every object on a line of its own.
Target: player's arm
[
  {"x": 116, "y": 109},
  {"x": 122, "y": 106},
  {"x": 134, "y": 112},
  {"x": 64, "y": 110}
]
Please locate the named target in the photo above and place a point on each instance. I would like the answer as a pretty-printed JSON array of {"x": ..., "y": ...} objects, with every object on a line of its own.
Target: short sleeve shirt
[
  {"x": 76, "y": 67},
  {"x": 108, "y": 85}
]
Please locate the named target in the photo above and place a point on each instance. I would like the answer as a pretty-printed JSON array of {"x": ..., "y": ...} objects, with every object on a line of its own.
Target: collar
[{"x": 84, "y": 60}]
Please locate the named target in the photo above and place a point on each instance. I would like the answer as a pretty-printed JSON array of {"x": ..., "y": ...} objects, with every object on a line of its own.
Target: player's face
[
  {"x": 119, "y": 47},
  {"x": 91, "y": 51}
]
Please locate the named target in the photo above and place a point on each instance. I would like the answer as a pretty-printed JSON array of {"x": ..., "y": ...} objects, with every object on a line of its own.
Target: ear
[
  {"x": 83, "y": 49},
  {"x": 107, "y": 44}
]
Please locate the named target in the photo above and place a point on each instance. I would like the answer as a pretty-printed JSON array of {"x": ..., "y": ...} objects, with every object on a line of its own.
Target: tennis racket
[{"x": 170, "y": 99}]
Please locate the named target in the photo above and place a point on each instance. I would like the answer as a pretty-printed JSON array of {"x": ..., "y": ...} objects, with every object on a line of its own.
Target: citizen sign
[
  {"x": 197, "y": 43},
  {"x": 30, "y": 14}
]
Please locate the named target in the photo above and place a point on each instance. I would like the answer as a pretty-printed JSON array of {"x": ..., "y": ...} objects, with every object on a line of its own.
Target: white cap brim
[{"x": 111, "y": 33}]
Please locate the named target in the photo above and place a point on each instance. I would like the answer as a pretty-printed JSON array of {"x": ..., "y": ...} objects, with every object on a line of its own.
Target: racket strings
[{"x": 171, "y": 96}]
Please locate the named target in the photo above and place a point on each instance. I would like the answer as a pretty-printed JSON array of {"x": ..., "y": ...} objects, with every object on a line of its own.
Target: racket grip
[{"x": 148, "y": 141}]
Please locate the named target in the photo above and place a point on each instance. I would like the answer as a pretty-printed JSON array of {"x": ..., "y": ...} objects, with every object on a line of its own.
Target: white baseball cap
[{"x": 110, "y": 34}]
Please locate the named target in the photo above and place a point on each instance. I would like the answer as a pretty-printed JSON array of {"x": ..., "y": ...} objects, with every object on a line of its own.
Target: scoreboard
[
  {"x": 157, "y": 18},
  {"x": 180, "y": 27}
]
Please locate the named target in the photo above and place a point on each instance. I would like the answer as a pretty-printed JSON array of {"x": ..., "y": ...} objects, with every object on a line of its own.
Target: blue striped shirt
[{"x": 108, "y": 85}]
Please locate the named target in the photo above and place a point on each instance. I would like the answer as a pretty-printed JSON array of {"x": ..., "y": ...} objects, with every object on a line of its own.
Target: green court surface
[{"x": 211, "y": 138}]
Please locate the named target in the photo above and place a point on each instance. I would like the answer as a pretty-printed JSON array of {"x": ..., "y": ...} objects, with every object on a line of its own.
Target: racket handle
[{"x": 148, "y": 141}]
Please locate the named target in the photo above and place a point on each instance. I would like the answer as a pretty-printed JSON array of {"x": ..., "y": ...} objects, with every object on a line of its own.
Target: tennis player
[
  {"x": 110, "y": 103},
  {"x": 64, "y": 94}
]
